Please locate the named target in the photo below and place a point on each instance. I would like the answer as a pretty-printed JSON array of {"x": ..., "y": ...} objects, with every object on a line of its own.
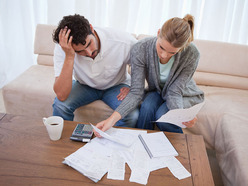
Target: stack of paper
[{"x": 157, "y": 145}]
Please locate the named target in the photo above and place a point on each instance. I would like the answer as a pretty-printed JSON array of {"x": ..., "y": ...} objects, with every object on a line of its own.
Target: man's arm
[{"x": 63, "y": 83}]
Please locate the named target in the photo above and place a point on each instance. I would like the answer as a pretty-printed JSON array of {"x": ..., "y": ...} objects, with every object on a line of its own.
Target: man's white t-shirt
[{"x": 109, "y": 66}]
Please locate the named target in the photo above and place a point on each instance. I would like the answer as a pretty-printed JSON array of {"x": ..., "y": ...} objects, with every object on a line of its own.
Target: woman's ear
[{"x": 158, "y": 32}]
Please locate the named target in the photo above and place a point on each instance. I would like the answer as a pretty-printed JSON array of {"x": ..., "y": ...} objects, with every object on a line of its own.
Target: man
[{"x": 97, "y": 58}]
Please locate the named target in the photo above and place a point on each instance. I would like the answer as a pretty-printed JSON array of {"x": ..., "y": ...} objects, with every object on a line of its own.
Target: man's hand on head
[{"x": 65, "y": 43}]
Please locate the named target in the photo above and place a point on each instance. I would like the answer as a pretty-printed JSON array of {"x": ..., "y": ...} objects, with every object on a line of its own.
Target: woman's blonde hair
[{"x": 178, "y": 32}]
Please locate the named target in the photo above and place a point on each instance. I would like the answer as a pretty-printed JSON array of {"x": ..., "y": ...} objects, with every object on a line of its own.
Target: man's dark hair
[{"x": 79, "y": 26}]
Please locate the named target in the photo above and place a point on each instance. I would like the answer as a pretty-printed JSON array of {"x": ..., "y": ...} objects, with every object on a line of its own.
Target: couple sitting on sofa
[{"x": 97, "y": 57}]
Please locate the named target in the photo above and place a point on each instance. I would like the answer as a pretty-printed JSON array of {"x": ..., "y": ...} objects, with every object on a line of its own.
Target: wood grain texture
[
  {"x": 201, "y": 172},
  {"x": 29, "y": 157}
]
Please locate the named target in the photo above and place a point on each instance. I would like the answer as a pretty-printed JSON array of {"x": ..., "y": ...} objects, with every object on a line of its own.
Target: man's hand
[
  {"x": 191, "y": 123},
  {"x": 123, "y": 93},
  {"x": 63, "y": 83},
  {"x": 66, "y": 44}
]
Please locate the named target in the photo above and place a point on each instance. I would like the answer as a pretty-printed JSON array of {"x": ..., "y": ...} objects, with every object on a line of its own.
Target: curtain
[
  {"x": 18, "y": 19},
  {"x": 222, "y": 20}
]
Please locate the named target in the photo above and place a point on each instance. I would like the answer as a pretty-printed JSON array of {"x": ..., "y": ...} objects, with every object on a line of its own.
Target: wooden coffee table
[{"x": 29, "y": 157}]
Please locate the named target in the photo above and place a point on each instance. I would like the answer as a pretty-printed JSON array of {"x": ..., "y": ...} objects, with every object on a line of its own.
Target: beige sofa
[{"x": 223, "y": 121}]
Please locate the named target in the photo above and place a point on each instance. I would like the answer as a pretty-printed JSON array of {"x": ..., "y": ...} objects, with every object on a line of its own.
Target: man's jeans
[
  {"x": 151, "y": 109},
  {"x": 82, "y": 95}
]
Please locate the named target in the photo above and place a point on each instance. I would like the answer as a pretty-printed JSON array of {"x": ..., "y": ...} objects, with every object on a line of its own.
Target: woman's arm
[
  {"x": 135, "y": 94},
  {"x": 138, "y": 70},
  {"x": 177, "y": 88}
]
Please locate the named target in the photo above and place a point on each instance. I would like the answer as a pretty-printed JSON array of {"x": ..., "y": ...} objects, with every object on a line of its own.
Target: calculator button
[{"x": 82, "y": 131}]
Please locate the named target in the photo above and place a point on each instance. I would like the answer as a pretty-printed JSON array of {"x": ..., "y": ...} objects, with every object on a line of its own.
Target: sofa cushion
[
  {"x": 219, "y": 102},
  {"x": 223, "y": 122},
  {"x": 220, "y": 80},
  {"x": 222, "y": 64},
  {"x": 31, "y": 93},
  {"x": 232, "y": 147},
  {"x": 45, "y": 60},
  {"x": 93, "y": 113},
  {"x": 225, "y": 58}
]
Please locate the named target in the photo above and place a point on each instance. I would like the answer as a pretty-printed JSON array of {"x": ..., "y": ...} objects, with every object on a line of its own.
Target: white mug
[{"x": 54, "y": 126}]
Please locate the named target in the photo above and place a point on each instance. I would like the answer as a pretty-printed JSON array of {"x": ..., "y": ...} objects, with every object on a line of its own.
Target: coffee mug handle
[{"x": 44, "y": 120}]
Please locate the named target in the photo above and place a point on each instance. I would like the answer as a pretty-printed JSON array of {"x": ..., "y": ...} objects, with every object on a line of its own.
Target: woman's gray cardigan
[{"x": 179, "y": 91}]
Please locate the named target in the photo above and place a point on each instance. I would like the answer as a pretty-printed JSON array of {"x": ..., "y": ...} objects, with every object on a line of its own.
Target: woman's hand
[
  {"x": 191, "y": 123},
  {"x": 66, "y": 44},
  {"x": 123, "y": 93},
  {"x": 103, "y": 125},
  {"x": 108, "y": 123}
]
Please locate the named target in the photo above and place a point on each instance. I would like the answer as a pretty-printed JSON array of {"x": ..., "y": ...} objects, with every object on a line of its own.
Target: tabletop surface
[{"x": 29, "y": 157}]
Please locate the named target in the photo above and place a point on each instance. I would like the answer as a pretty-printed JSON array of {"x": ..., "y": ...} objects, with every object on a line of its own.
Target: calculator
[{"x": 82, "y": 132}]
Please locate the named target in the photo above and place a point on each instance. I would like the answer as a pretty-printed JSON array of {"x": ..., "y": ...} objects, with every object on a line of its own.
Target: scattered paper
[
  {"x": 101, "y": 156},
  {"x": 117, "y": 168},
  {"x": 178, "y": 116},
  {"x": 157, "y": 163},
  {"x": 140, "y": 165},
  {"x": 176, "y": 168},
  {"x": 157, "y": 145},
  {"x": 89, "y": 163}
]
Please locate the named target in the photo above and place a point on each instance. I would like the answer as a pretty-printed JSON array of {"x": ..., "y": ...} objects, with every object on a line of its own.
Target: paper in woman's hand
[
  {"x": 178, "y": 116},
  {"x": 119, "y": 137}
]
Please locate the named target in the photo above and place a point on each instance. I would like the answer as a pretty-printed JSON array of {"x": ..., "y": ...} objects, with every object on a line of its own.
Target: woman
[{"x": 167, "y": 62}]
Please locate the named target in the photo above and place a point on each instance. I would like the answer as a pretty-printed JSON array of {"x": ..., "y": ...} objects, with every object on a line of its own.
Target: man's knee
[
  {"x": 61, "y": 105},
  {"x": 63, "y": 110}
]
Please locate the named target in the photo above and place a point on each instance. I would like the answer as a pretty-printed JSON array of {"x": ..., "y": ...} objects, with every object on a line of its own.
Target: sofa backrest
[
  {"x": 221, "y": 64},
  {"x": 43, "y": 44}
]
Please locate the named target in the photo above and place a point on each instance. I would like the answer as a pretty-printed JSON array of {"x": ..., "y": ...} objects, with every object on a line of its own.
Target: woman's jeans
[
  {"x": 151, "y": 109},
  {"x": 82, "y": 95}
]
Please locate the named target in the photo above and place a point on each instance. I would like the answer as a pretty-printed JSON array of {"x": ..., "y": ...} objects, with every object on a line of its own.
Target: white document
[
  {"x": 117, "y": 168},
  {"x": 157, "y": 145},
  {"x": 176, "y": 168},
  {"x": 90, "y": 163},
  {"x": 122, "y": 137},
  {"x": 178, "y": 116},
  {"x": 157, "y": 163},
  {"x": 140, "y": 165}
]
